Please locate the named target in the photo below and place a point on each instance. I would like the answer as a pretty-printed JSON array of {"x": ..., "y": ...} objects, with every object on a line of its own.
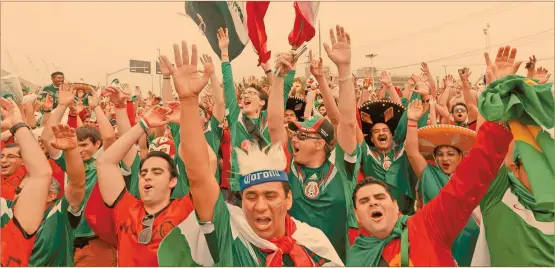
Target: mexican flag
[
  {"x": 305, "y": 21},
  {"x": 186, "y": 244},
  {"x": 210, "y": 16}
]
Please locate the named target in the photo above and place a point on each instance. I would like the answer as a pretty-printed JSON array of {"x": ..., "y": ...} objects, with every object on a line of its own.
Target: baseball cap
[{"x": 315, "y": 124}]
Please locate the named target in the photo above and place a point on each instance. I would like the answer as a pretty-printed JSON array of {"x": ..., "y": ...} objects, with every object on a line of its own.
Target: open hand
[
  {"x": 11, "y": 111},
  {"x": 385, "y": 79},
  {"x": 117, "y": 97},
  {"x": 464, "y": 74},
  {"x": 64, "y": 137},
  {"x": 207, "y": 63},
  {"x": 504, "y": 63},
  {"x": 223, "y": 39},
  {"x": 66, "y": 94},
  {"x": 542, "y": 75},
  {"x": 424, "y": 68},
  {"x": 340, "y": 51},
  {"x": 186, "y": 79},
  {"x": 156, "y": 116},
  {"x": 415, "y": 111}
]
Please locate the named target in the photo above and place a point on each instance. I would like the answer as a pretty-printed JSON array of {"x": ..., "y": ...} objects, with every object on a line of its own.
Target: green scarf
[
  {"x": 367, "y": 250},
  {"x": 526, "y": 199}
]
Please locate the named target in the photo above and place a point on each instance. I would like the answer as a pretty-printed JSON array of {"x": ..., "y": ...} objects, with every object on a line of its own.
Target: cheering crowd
[{"x": 282, "y": 171}]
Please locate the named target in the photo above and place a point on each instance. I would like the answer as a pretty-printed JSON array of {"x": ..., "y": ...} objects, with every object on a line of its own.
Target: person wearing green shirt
[
  {"x": 323, "y": 162},
  {"x": 52, "y": 89},
  {"x": 91, "y": 143},
  {"x": 248, "y": 122}
]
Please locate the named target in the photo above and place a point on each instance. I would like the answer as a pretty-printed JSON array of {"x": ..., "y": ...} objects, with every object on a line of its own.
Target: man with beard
[
  {"x": 426, "y": 238},
  {"x": 383, "y": 152},
  {"x": 52, "y": 90},
  {"x": 18, "y": 235},
  {"x": 261, "y": 233},
  {"x": 321, "y": 169},
  {"x": 446, "y": 145},
  {"x": 248, "y": 123}
]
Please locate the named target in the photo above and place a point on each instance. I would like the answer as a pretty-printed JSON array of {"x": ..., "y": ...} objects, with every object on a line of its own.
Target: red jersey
[
  {"x": 128, "y": 214},
  {"x": 16, "y": 244},
  {"x": 434, "y": 228},
  {"x": 10, "y": 183}
]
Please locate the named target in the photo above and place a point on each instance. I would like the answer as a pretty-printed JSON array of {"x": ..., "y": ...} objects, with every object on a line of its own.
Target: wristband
[
  {"x": 413, "y": 125},
  {"x": 167, "y": 78},
  {"x": 144, "y": 125},
  {"x": 268, "y": 71},
  {"x": 120, "y": 106},
  {"x": 72, "y": 115},
  {"x": 17, "y": 126},
  {"x": 345, "y": 78},
  {"x": 45, "y": 111}
]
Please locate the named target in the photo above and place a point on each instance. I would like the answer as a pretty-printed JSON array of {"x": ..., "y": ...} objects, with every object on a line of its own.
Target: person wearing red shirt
[
  {"x": 141, "y": 224},
  {"x": 18, "y": 234},
  {"x": 425, "y": 238}
]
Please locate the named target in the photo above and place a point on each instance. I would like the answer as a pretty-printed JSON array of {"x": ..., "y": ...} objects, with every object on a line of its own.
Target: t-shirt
[
  {"x": 83, "y": 229},
  {"x": 322, "y": 196},
  {"x": 10, "y": 183},
  {"x": 53, "y": 92},
  {"x": 516, "y": 235},
  {"x": 16, "y": 244},
  {"x": 240, "y": 136},
  {"x": 54, "y": 241},
  {"x": 228, "y": 249},
  {"x": 128, "y": 214}
]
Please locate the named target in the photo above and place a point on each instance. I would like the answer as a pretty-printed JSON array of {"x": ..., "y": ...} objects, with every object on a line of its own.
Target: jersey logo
[{"x": 312, "y": 189}]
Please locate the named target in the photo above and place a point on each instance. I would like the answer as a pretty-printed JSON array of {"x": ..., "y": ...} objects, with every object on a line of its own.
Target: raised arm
[
  {"x": 217, "y": 92},
  {"x": 230, "y": 94},
  {"x": 66, "y": 98},
  {"x": 193, "y": 148},
  {"x": 29, "y": 208},
  {"x": 124, "y": 125},
  {"x": 385, "y": 79},
  {"x": 416, "y": 160},
  {"x": 317, "y": 70},
  {"x": 166, "y": 83},
  {"x": 276, "y": 107},
  {"x": 469, "y": 99},
  {"x": 65, "y": 139},
  {"x": 340, "y": 54},
  {"x": 426, "y": 71}
]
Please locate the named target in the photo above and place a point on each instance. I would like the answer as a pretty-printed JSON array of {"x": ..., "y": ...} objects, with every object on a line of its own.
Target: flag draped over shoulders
[{"x": 186, "y": 244}]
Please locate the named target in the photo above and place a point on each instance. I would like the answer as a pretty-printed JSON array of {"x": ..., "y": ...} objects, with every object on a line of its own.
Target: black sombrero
[
  {"x": 296, "y": 105},
  {"x": 379, "y": 111}
]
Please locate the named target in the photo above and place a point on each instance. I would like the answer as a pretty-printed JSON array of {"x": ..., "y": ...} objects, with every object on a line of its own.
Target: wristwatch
[{"x": 17, "y": 126}]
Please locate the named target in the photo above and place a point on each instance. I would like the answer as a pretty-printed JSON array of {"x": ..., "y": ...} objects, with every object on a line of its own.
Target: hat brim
[
  {"x": 430, "y": 137},
  {"x": 374, "y": 112},
  {"x": 83, "y": 86},
  {"x": 297, "y": 105}
]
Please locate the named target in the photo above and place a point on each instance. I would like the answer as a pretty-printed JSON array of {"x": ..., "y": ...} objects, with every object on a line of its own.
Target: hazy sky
[{"x": 87, "y": 40}]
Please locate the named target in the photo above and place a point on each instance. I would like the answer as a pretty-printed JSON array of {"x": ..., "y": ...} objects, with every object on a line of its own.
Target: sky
[{"x": 86, "y": 40}]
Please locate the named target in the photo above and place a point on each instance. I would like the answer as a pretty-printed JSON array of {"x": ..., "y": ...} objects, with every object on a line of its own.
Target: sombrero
[
  {"x": 10, "y": 87},
  {"x": 296, "y": 105},
  {"x": 430, "y": 137},
  {"x": 379, "y": 111},
  {"x": 87, "y": 88}
]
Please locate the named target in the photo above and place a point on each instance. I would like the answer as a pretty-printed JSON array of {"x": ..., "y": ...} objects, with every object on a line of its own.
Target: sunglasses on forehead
[{"x": 145, "y": 236}]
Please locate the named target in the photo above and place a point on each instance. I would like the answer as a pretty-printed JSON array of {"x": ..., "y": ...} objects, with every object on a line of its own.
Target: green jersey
[
  {"x": 51, "y": 91},
  {"x": 516, "y": 233},
  {"x": 237, "y": 121},
  {"x": 83, "y": 229},
  {"x": 322, "y": 197},
  {"x": 54, "y": 242}
]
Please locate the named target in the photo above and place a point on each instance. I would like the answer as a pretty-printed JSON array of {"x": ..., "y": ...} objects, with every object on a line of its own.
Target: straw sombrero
[
  {"x": 87, "y": 88},
  {"x": 430, "y": 137},
  {"x": 296, "y": 105},
  {"x": 379, "y": 111}
]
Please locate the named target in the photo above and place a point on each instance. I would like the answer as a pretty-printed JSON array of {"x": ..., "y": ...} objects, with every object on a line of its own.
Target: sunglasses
[
  {"x": 145, "y": 236},
  {"x": 459, "y": 110},
  {"x": 303, "y": 136}
]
